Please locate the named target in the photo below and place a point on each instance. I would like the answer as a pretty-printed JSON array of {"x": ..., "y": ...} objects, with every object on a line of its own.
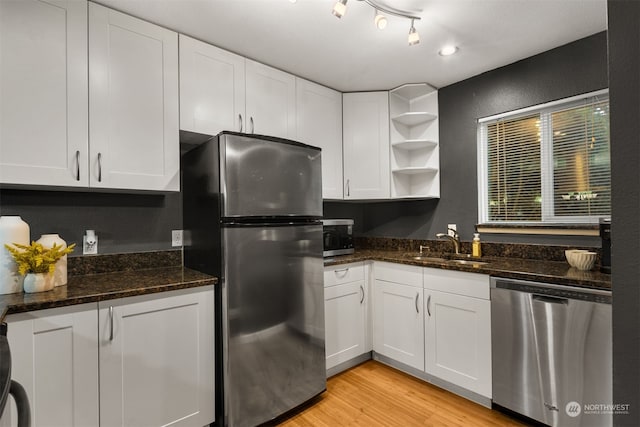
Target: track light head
[
  {"x": 380, "y": 20},
  {"x": 339, "y": 8},
  {"x": 414, "y": 37}
]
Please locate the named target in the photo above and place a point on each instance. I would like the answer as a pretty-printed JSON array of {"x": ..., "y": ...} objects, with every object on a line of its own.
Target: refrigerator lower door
[
  {"x": 273, "y": 320},
  {"x": 268, "y": 177}
]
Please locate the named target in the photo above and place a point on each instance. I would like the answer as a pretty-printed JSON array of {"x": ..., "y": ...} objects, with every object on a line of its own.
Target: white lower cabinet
[
  {"x": 55, "y": 358},
  {"x": 346, "y": 305},
  {"x": 458, "y": 329},
  {"x": 156, "y": 360},
  {"x": 144, "y": 361},
  {"x": 398, "y": 322}
]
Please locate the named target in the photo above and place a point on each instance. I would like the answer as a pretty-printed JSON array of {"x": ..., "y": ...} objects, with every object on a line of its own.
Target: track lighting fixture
[
  {"x": 380, "y": 20},
  {"x": 340, "y": 7},
  {"x": 414, "y": 37}
]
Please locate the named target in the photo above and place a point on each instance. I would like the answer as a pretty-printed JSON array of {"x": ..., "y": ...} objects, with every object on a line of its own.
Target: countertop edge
[
  {"x": 9, "y": 308},
  {"x": 495, "y": 267}
]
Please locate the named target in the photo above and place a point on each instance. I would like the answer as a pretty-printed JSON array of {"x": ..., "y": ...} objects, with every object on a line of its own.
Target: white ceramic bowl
[
  {"x": 571, "y": 257},
  {"x": 584, "y": 260}
]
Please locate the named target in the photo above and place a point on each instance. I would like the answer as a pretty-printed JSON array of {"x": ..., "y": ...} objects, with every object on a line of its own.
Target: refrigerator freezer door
[
  {"x": 269, "y": 177},
  {"x": 273, "y": 320}
]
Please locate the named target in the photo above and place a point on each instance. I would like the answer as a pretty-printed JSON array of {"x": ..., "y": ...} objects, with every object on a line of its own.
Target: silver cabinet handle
[
  {"x": 417, "y": 308},
  {"x": 348, "y": 191},
  {"x": 78, "y": 165},
  {"x": 240, "y": 121},
  {"x": 362, "y": 289},
  {"x": 429, "y": 305},
  {"x": 251, "y": 121},
  {"x": 99, "y": 167},
  {"x": 111, "y": 323},
  {"x": 345, "y": 270}
]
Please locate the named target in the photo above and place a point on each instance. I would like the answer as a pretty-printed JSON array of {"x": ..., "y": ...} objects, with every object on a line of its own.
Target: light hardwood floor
[{"x": 373, "y": 394}]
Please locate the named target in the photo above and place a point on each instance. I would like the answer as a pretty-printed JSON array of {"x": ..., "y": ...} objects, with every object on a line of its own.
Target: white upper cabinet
[
  {"x": 319, "y": 123},
  {"x": 270, "y": 101},
  {"x": 43, "y": 92},
  {"x": 366, "y": 145},
  {"x": 212, "y": 88},
  {"x": 133, "y": 103}
]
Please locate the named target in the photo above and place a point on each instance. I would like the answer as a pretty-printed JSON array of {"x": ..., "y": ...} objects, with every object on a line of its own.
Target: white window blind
[{"x": 548, "y": 164}]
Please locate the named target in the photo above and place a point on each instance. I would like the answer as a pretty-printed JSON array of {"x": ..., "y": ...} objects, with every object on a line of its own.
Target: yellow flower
[{"x": 35, "y": 258}]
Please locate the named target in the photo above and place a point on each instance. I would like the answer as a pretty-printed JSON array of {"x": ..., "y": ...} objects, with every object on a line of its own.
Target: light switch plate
[
  {"x": 176, "y": 237},
  {"x": 452, "y": 229}
]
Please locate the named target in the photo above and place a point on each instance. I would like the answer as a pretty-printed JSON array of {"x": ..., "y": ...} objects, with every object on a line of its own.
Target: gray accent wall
[
  {"x": 123, "y": 222},
  {"x": 624, "y": 81},
  {"x": 569, "y": 70}
]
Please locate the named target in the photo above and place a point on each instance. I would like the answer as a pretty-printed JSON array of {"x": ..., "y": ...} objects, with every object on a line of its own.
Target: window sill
[{"x": 542, "y": 229}]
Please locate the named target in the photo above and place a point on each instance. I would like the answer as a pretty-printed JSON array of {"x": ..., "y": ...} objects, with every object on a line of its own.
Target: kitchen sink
[
  {"x": 447, "y": 259},
  {"x": 467, "y": 262},
  {"x": 428, "y": 258}
]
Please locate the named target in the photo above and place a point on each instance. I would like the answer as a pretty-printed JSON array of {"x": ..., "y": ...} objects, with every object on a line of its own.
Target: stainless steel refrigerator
[{"x": 251, "y": 213}]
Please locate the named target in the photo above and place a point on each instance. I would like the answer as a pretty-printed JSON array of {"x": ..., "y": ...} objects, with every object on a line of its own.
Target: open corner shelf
[
  {"x": 414, "y": 118},
  {"x": 413, "y": 90},
  {"x": 414, "y": 144},
  {"x": 414, "y": 170}
]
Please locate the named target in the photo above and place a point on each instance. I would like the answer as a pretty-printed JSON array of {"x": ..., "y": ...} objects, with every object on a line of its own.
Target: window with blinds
[{"x": 546, "y": 164}]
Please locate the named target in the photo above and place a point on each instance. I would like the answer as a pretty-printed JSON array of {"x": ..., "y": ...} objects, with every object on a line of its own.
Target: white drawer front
[
  {"x": 457, "y": 282},
  {"x": 398, "y": 273},
  {"x": 345, "y": 273}
]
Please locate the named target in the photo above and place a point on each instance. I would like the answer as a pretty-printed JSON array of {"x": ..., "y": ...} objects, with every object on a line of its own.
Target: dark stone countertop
[
  {"x": 513, "y": 268},
  {"x": 105, "y": 286}
]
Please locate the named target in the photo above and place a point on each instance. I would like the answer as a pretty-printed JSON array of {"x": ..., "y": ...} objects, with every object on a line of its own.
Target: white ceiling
[{"x": 350, "y": 54}]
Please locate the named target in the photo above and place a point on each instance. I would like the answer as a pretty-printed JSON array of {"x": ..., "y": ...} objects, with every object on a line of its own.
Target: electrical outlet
[
  {"x": 90, "y": 243},
  {"x": 176, "y": 237},
  {"x": 452, "y": 229}
]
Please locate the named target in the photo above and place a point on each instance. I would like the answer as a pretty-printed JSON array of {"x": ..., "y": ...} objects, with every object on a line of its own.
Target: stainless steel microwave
[{"x": 338, "y": 236}]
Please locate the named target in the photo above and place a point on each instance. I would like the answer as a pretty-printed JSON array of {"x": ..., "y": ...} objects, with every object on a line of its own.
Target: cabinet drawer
[
  {"x": 398, "y": 273},
  {"x": 345, "y": 273},
  {"x": 457, "y": 282}
]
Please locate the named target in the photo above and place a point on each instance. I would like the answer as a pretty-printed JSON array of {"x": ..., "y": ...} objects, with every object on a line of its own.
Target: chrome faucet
[
  {"x": 455, "y": 239},
  {"x": 422, "y": 248}
]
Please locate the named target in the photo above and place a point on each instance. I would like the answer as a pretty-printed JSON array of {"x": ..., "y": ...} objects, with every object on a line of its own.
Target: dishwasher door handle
[{"x": 550, "y": 300}]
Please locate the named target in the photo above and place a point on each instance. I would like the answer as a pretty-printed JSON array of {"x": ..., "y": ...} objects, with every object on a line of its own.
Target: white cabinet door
[
  {"x": 345, "y": 317},
  {"x": 366, "y": 145},
  {"x": 212, "y": 88},
  {"x": 157, "y": 359},
  {"x": 319, "y": 123},
  {"x": 398, "y": 324},
  {"x": 133, "y": 103},
  {"x": 55, "y": 358},
  {"x": 270, "y": 101},
  {"x": 43, "y": 92},
  {"x": 458, "y": 340}
]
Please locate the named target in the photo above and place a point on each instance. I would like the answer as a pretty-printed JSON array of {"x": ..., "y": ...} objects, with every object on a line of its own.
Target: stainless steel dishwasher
[{"x": 551, "y": 352}]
